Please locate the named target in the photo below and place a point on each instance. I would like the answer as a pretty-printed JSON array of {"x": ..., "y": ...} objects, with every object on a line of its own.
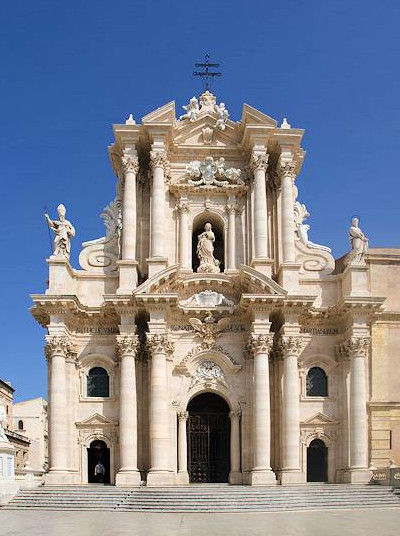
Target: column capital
[
  {"x": 159, "y": 159},
  {"x": 259, "y": 161},
  {"x": 59, "y": 345},
  {"x": 182, "y": 205},
  {"x": 235, "y": 415},
  {"x": 127, "y": 345},
  {"x": 158, "y": 343},
  {"x": 354, "y": 347},
  {"x": 183, "y": 415},
  {"x": 129, "y": 160},
  {"x": 261, "y": 343},
  {"x": 287, "y": 168},
  {"x": 290, "y": 346},
  {"x": 231, "y": 208}
]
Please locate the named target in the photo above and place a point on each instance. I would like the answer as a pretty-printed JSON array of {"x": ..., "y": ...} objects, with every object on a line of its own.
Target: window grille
[
  {"x": 98, "y": 383},
  {"x": 316, "y": 382}
]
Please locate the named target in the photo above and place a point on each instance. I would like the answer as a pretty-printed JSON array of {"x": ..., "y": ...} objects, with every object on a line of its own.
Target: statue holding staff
[{"x": 63, "y": 231}]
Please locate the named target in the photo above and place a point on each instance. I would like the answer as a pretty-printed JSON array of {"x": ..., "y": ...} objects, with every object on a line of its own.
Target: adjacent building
[
  {"x": 30, "y": 420},
  {"x": 205, "y": 337}
]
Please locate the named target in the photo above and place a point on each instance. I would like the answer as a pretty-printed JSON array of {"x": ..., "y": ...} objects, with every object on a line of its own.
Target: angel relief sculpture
[{"x": 209, "y": 329}]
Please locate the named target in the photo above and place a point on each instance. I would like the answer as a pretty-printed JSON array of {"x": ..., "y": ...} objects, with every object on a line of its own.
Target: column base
[
  {"x": 263, "y": 265},
  {"x": 156, "y": 265},
  {"x": 288, "y": 277},
  {"x": 127, "y": 478},
  {"x": 182, "y": 478},
  {"x": 235, "y": 477},
  {"x": 160, "y": 479},
  {"x": 292, "y": 476},
  {"x": 262, "y": 478},
  {"x": 357, "y": 476},
  {"x": 128, "y": 276},
  {"x": 60, "y": 478}
]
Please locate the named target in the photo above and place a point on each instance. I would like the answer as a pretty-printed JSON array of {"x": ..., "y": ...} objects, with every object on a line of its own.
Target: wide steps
[{"x": 205, "y": 498}]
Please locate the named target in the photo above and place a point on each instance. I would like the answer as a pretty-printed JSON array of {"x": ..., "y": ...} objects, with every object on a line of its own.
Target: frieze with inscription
[{"x": 319, "y": 331}]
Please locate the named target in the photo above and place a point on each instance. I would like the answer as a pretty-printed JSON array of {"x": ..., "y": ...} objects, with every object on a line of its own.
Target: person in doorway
[{"x": 99, "y": 472}]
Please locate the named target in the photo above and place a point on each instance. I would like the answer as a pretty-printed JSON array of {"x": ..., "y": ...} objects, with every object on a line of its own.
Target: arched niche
[{"x": 218, "y": 228}]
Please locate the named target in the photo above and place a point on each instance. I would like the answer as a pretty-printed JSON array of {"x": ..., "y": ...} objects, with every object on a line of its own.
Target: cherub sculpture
[
  {"x": 223, "y": 115},
  {"x": 63, "y": 231},
  {"x": 192, "y": 110}
]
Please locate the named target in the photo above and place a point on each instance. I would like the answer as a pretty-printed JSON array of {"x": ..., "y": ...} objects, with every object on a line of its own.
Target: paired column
[
  {"x": 288, "y": 174},
  {"x": 183, "y": 475},
  {"x": 357, "y": 349},
  {"x": 235, "y": 475},
  {"x": 290, "y": 348},
  {"x": 128, "y": 474},
  {"x": 184, "y": 246},
  {"x": 259, "y": 164},
  {"x": 57, "y": 350},
  {"x": 261, "y": 474},
  {"x": 231, "y": 210},
  {"x": 160, "y": 473},
  {"x": 128, "y": 264},
  {"x": 158, "y": 162}
]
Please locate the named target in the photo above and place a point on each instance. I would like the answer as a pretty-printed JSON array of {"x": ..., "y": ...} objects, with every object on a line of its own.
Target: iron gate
[{"x": 208, "y": 447}]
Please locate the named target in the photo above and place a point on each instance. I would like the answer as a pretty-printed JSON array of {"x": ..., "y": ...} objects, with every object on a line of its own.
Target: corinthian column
[
  {"x": 261, "y": 474},
  {"x": 128, "y": 474},
  {"x": 235, "y": 475},
  {"x": 357, "y": 349},
  {"x": 259, "y": 164},
  {"x": 184, "y": 247},
  {"x": 160, "y": 473},
  {"x": 287, "y": 174},
  {"x": 128, "y": 264},
  {"x": 57, "y": 349},
  {"x": 183, "y": 475},
  {"x": 290, "y": 348},
  {"x": 231, "y": 210}
]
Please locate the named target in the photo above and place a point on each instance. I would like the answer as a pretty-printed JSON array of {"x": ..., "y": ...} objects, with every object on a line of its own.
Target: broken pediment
[
  {"x": 253, "y": 117},
  {"x": 164, "y": 114}
]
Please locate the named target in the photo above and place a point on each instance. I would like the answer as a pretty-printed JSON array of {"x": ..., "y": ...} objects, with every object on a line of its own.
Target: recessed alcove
[{"x": 218, "y": 229}]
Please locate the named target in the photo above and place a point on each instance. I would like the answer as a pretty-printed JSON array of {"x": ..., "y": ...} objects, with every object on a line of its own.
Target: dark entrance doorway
[
  {"x": 317, "y": 461},
  {"x": 98, "y": 457},
  {"x": 208, "y": 439}
]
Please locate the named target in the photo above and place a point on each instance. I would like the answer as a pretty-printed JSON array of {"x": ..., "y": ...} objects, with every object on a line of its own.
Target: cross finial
[{"x": 207, "y": 76}]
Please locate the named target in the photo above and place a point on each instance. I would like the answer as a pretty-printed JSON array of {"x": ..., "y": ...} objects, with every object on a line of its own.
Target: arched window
[
  {"x": 20, "y": 425},
  {"x": 98, "y": 383},
  {"x": 317, "y": 382}
]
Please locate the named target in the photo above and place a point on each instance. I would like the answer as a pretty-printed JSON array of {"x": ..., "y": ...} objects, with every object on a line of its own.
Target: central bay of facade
[{"x": 205, "y": 337}]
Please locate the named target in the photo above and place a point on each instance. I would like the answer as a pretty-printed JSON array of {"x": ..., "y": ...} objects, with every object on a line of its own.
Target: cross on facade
[{"x": 206, "y": 75}]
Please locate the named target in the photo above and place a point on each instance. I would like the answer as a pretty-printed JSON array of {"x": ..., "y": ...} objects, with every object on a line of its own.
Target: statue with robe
[
  {"x": 358, "y": 241},
  {"x": 63, "y": 232},
  {"x": 205, "y": 251}
]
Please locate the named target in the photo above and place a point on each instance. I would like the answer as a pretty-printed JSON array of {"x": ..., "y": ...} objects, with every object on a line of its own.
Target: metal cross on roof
[{"x": 207, "y": 76}]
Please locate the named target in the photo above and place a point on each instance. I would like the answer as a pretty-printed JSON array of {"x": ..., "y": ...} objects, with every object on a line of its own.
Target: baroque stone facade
[{"x": 206, "y": 316}]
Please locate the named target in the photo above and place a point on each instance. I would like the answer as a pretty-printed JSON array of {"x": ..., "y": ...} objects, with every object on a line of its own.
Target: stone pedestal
[{"x": 8, "y": 485}]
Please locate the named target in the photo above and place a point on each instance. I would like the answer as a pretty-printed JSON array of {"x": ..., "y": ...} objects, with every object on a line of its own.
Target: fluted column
[
  {"x": 259, "y": 164},
  {"x": 184, "y": 243},
  {"x": 287, "y": 175},
  {"x": 290, "y": 348},
  {"x": 235, "y": 475},
  {"x": 183, "y": 474},
  {"x": 231, "y": 210},
  {"x": 128, "y": 474},
  {"x": 57, "y": 349},
  {"x": 160, "y": 473},
  {"x": 357, "y": 349},
  {"x": 261, "y": 474}
]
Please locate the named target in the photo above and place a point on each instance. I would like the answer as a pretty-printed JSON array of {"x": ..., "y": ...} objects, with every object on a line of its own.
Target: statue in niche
[
  {"x": 191, "y": 110},
  {"x": 63, "y": 231},
  {"x": 358, "y": 241},
  {"x": 205, "y": 251}
]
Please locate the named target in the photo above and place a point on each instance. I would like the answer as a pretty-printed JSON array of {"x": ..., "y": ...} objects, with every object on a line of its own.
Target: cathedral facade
[{"x": 205, "y": 338}]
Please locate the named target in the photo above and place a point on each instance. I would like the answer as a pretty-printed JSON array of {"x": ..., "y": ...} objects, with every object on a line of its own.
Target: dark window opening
[
  {"x": 317, "y": 382},
  {"x": 98, "y": 383}
]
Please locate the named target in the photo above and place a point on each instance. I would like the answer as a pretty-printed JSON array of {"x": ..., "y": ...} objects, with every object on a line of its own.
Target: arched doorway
[
  {"x": 98, "y": 458},
  {"x": 317, "y": 461},
  {"x": 208, "y": 439}
]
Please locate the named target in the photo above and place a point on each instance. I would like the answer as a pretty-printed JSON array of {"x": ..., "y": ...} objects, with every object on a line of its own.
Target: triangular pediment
[
  {"x": 319, "y": 418},
  {"x": 253, "y": 117},
  {"x": 95, "y": 420},
  {"x": 203, "y": 133},
  {"x": 164, "y": 114}
]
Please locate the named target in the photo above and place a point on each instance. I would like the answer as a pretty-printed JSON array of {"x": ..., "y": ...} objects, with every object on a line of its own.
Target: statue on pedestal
[
  {"x": 63, "y": 231},
  {"x": 205, "y": 251},
  {"x": 358, "y": 241}
]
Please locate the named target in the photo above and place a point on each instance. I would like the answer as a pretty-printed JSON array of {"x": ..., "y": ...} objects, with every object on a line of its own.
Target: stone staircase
[{"x": 206, "y": 498}]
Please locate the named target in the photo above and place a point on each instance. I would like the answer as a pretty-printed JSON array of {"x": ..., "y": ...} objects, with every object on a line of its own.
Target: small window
[
  {"x": 20, "y": 425},
  {"x": 98, "y": 384},
  {"x": 317, "y": 382}
]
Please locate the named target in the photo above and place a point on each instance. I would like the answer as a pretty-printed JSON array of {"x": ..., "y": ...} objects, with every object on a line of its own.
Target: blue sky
[{"x": 71, "y": 69}]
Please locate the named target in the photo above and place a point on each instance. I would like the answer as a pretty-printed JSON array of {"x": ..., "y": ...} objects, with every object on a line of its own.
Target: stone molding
[
  {"x": 159, "y": 344},
  {"x": 127, "y": 345},
  {"x": 59, "y": 345},
  {"x": 290, "y": 345},
  {"x": 354, "y": 347},
  {"x": 261, "y": 343},
  {"x": 259, "y": 162},
  {"x": 183, "y": 415}
]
